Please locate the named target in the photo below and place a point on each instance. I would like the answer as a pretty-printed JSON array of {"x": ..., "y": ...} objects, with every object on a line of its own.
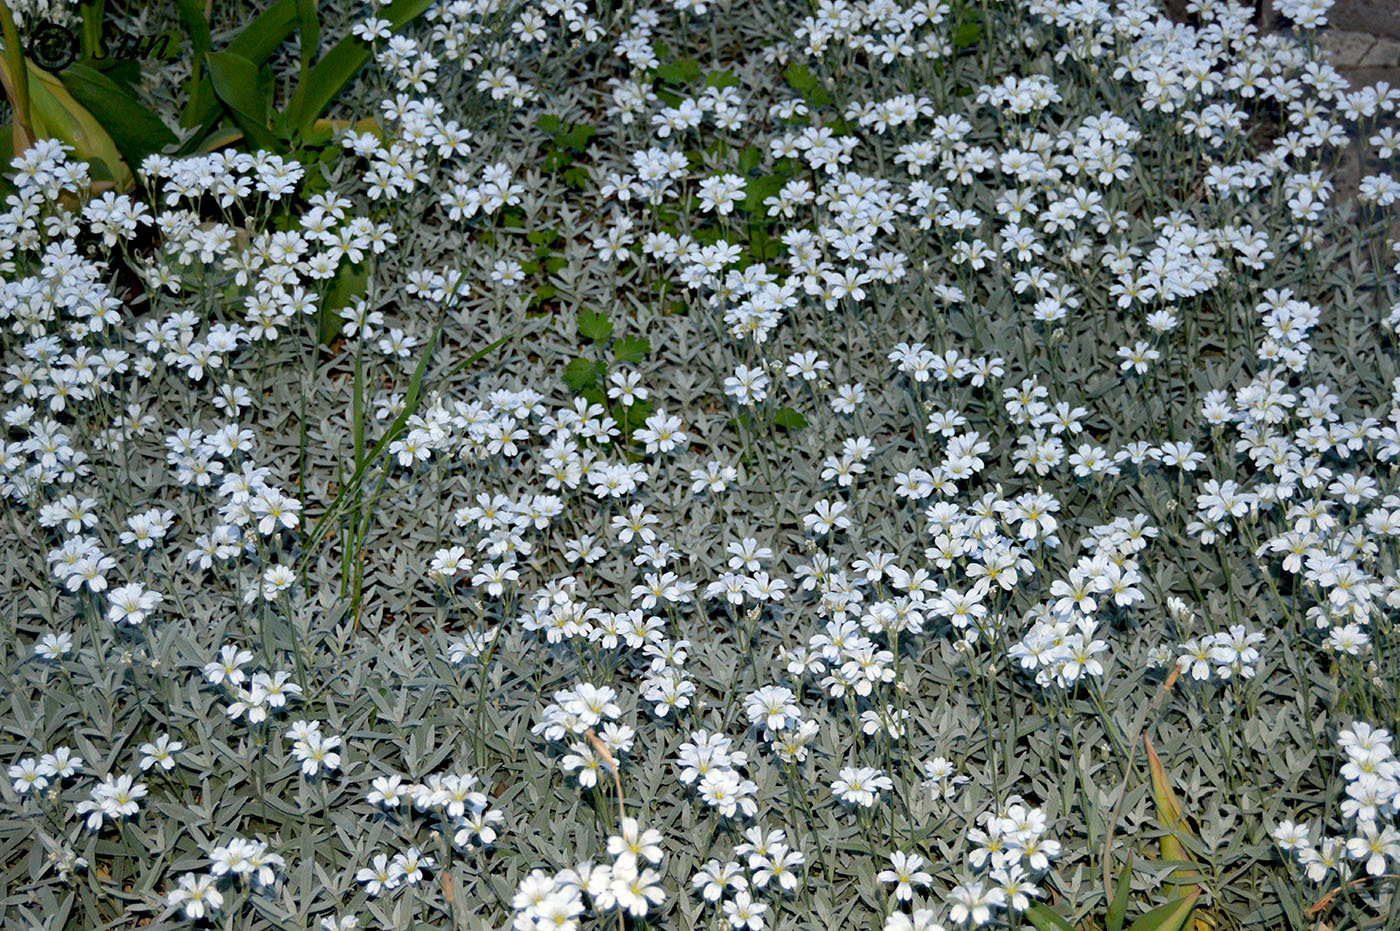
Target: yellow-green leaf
[
  {"x": 55, "y": 114},
  {"x": 1170, "y": 917}
]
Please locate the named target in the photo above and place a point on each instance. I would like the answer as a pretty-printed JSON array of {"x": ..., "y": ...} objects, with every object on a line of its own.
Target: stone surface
[
  {"x": 1361, "y": 50},
  {"x": 1376, "y": 17},
  {"x": 1362, "y": 36},
  {"x": 1368, "y": 17}
]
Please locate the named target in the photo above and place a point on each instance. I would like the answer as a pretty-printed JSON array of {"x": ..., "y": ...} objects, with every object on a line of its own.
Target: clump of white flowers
[
  {"x": 1010, "y": 851},
  {"x": 1368, "y": 845},
  {"x": 629, "y": 885},
  {"x": 238, "y": 860},
  {"x": 864, "y": 394}
]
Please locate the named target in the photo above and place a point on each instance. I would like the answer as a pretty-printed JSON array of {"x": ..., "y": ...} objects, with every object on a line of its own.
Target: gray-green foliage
[{"x": 368, "y": 632}]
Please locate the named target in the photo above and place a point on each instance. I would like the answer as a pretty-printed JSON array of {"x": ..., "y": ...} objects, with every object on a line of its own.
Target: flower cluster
[
  {"x": 1369, "y": 837},
  {"x": 630, "y": 885}
]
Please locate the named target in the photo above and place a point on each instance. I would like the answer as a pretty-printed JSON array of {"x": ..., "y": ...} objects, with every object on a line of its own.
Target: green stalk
[
  {"x": 17, "y": 87},
  {"x": 93, "y": 12}
]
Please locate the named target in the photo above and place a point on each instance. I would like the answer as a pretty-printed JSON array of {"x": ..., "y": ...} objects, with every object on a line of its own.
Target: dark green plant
[{"x": 229, "y": 96}]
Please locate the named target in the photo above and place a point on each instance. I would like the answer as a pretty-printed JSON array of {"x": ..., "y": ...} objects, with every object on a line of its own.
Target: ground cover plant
[{"x": 703, "y": 465}]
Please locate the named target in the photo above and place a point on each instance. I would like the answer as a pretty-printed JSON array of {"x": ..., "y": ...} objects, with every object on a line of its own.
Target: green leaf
[
  {"x": 630, "y": 417},
  {"x": 135, "y": 129},
  {"x": 967, "y": 35},
  {"x": 1119, "y": 906},
  {"x": 240, "y": 87},
  {"x": 763, "y": 247},
  {"x": 7, "y": 152},
  {"x": 91, "y": 14},
  {"x": 721, "y": 79},
  {"x": 595, "y": 326},
  {"x": 410, "y": 407},
  {"x": 1044, "y": 919},
  {"x": 1168, "y": 812},
  {"x": 165, "y": 46},
  {"x": 758, "y": 190},
  {"x": 308, "y": 34},
  {"x": 219, "y": 138},
  {"x": 197, "y": 25},
  {"x": 200, "y": 104},
  {"x": 577, "y": 176},
  {"x": 581, "y": 374},
  {"x": 576, "y": 136},
  {"x": 54, "y": 112},
  {"x": 124, "y": 72},
  {"x": 682, "y": 71},
  {"x": 789, "y": 419},
  {"x": 1170, "y": 917},
  {"x": 1291, "y": 911},
  {"x": 258, "y": 40},
  {"x": 749, "y": 159},
  {"x": 632, "y": 349},
  {"x": 349, "y": 283},
  {"x": 338, "y": 68},
  {"x": 478, "y": 355},
  {"x": 801, "y": 79}
]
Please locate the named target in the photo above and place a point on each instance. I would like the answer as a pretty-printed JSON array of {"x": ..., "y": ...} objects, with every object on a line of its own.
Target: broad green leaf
[
  {"x": 632, "y": 349},
  {"x": 256, "y": 42},
  {"x": 1118, "y": 907},
  {"x": 349, "y": 284},
  {"x": 1169, "y": 813},
  {"x": 339, "y": 66},
  {"x": 1044, "y": 919},
  {"x": 55, "y": 113},
  {"x": 789, "y": 419},
  {"x": 136, "y": 130},
  {"x": 801, "y": 79},
  {"x": 595, "y": 326},
  {"x": 192, "y": 15},
  {"x": 577, "y": 176},
  {"x": 967, "y": 35},
  {"x": 581, "y": 374},
  {"x": 308, "y": 34},
  {"x": 682, "y": 71},
  {"x": 721, "y": 79},
  {"x": 201, "y": 103},
  {"x": 260, "y": 38},
  {"x": 90, "y": 18},
  {"x": 239, "y": 86},
  {"x": 124, "y": 72},
  {"x": 758, "y": 190},
  {"x": 1170, "y": 917},
  {"x": 576, "y": 136},
  {"x": 631, "y": 416}
]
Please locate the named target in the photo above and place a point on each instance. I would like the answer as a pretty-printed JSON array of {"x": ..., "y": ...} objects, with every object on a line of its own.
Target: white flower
[
  {"x": 196, "y": 895},
  {"x": 906, "y": 872},
  {"x": 160, "y": 753}
]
